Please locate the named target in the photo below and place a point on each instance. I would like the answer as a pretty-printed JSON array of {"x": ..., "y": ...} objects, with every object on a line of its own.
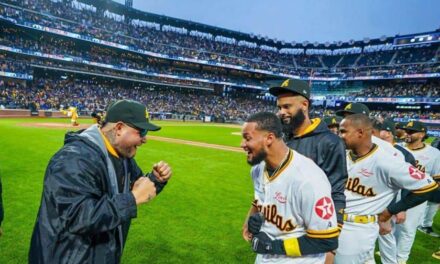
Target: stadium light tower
[{"x": 129, "y": 3}]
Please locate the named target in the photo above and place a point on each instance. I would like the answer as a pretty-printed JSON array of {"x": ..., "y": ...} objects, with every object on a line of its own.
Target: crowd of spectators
[
  {"x": 375, "y": 58},
  {"x": 7, "y": 65},
  {"x": 91, "y": 94},
  {"x": 393, "y": 89},
  {"x": 319, "y": 111},
  {"x": 426, "y": 54},
  {"x": 47, "y": 44},
  {"x": 95, "y": 25}
]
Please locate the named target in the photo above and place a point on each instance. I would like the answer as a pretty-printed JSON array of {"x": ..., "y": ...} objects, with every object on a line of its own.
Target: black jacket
[
  {"x": 327, "y": 150},
  {"x": 83, "y": 218}
]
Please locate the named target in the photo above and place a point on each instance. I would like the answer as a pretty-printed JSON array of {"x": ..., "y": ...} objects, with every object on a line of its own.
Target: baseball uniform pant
[{"x": 356, "y": 243}]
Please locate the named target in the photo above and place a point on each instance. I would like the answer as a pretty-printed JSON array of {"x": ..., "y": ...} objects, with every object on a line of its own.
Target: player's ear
[
  {"x": 118, "y": 127},
  {"x": 269, "y": 138}
]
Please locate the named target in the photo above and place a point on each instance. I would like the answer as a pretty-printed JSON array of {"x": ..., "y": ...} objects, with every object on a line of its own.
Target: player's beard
[
  {"x": 410, "y": 139},
  {"x": 294, "y": 123},
  {"x": 259, "y": 157}
]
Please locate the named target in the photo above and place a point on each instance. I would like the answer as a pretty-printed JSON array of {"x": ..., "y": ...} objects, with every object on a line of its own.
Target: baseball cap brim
[
  {"x": 147, "y": 126},
  {"x": 412, "y": 129},
  {"x": 343, "y": 112}
]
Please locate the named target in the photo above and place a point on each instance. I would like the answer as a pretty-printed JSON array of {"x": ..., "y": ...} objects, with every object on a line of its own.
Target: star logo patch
[
  {"x": 324, "y": 208},
  {"x": 416, "y": 174}
]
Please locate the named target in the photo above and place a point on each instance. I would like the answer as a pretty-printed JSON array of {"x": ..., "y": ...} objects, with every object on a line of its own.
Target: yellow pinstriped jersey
[
  {"x": 374, "y": 179},
  {"x": 296, "y": 201},
  {"x": 427, "y": 160}
]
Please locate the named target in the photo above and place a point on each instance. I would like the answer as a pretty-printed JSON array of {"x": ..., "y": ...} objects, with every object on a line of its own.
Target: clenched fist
[
  {"x": 162, "y": 171},
  {"x": 143, "y": 190}
]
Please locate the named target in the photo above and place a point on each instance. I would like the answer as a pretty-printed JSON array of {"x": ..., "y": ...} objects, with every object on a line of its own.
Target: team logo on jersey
[
  {"x": 271, "y": 215},
  {"x": 324, "y": 208},
  {"x": 353, "y": 184},
  {"x": 416, "y": 174},
  {"x": 280, "y": 198},
  {"x": 420, "y": 167},
  {"x": 365, "y": 172}
]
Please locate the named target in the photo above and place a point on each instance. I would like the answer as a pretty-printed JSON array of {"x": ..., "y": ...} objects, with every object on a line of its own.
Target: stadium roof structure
[{"x": 133, "y": 13}]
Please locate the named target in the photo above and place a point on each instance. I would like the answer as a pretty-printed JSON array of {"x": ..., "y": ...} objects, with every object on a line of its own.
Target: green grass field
[{"x": 197, "y": 219}]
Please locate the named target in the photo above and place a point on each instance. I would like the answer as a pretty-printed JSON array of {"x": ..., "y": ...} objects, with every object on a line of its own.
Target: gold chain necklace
[{"x": 279, "y": 166}]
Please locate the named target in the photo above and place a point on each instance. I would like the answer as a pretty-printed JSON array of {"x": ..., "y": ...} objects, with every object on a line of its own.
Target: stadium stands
[{"x": 103, "y": 56}]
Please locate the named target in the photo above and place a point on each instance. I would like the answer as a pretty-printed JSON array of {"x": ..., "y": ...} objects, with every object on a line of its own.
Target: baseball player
[
  {"x": 388, "y": 242},
  {"x": 375, "y": 176},
  {"x": 428, "y": 161},
  {"x": 400, "y": 132},
  {"x": 333, "y": 123},
  {"x": 292, "y": 218},
  {"x": 359, "y": 108}
]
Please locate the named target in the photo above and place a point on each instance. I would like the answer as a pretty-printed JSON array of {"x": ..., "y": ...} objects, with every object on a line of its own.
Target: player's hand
[
  {"x": 255, "y": 222},
  {"x": 385, "y": 227},
  {"x": 384, "y": 216},
  {"x": 330, "y": 257},
  {"x": 143, "y": 190},
  {"x": 246, "y": 234},
  {"x": 400, "y": 217},
  {"x": 162, "y": 171},
  {"x": 263, "y": 244}
]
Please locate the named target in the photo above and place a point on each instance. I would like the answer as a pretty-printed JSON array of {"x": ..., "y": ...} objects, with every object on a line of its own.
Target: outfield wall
[{"x": 28, "y": 113}]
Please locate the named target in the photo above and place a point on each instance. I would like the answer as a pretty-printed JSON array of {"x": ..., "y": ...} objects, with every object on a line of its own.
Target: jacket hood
[
  {"x": 90, "y": 136},
  {"x": 317, "y": 127}
]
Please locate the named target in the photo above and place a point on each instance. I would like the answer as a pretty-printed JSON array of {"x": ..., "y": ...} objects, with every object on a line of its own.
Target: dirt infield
[
  {"x": 149, "y": 137},
  {"x": 55, "y": 125}
]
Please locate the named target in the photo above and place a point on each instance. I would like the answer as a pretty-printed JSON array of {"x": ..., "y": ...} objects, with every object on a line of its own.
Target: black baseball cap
[
  {"x": 389, "y": 125},
  {"x": 130, "y": 112},
  {"x": 332, "y": 120},
  {"x": 415, "y": 126},
  {"x": 291, "y": 86},
  {"x": 354, "y": 108},
  {"x": 400, "y": 125}
]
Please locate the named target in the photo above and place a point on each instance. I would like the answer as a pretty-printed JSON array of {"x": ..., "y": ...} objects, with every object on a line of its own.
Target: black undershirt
[{"x": 118, "y": 164}]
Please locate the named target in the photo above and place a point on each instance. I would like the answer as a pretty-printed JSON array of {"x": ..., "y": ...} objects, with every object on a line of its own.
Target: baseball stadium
[{"x": 65, "y": 62}]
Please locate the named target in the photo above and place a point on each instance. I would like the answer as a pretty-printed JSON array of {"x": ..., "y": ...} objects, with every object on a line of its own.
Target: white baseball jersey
[
  {"x": 388, "y": 147},
  {"x": 373, "y": 181},
  {"x": 427, "y": 160},
  {"x": 295, "y": 200}
]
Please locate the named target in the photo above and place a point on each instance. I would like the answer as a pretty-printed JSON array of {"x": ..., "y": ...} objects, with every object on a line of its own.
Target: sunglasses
[
  {"x": 142, "y": 132},
  {"x": 410, "y": 132}
]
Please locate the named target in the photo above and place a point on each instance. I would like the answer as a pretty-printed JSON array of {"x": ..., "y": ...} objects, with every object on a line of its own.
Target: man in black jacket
[
  {"x": 311, "y": 137},
  {"x": 92, "y": 188}
]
